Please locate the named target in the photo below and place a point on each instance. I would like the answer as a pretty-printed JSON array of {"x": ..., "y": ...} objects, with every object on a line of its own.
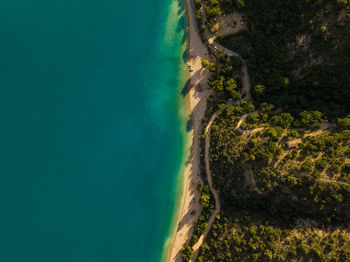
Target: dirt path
[
  {"x": 197, "y": 245},
  {"x": 198, "y": 94},
  {"x": 210, "y": 38},
  {"x": 323, "y": 127},
  {"x": 245, "y": 75},
  {"x": 198, "y": 98},
  {"x": 213, "y": 191},
  {"x": 246, "y": 92},
  {"x": 249, "y": 131},
  {"x": 327, "y": 180},
  {"x": 250, "y": 179}
]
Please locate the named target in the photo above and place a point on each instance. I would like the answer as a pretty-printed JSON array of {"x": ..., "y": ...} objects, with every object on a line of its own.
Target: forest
[
  {"x": 299, "y": 52},
  {"x": 281, "y": 160}
]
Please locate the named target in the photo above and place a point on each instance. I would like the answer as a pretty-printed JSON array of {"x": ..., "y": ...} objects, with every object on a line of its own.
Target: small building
[{"x": 293, "y": 143}]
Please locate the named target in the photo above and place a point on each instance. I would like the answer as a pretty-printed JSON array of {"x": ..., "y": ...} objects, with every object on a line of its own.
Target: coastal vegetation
[
  {"x": 279, "y": 203},
  {"x": 299, "y": 51},
  {"x": 280, "y": 162}
]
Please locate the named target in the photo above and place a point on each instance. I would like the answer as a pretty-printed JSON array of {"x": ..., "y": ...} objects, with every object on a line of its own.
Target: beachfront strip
[{"x": 266, "y": 174}]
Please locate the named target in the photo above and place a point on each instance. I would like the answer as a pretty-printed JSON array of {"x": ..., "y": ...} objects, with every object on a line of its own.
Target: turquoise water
[{"x": 91, "y": 139}]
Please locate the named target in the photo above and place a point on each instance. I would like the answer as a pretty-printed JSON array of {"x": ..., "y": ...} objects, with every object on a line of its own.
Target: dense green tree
[
  {"x": 308, "y": 118},
  {"x": 344, "y": 123},
  {"x": 283, "y": 120},
  {"x": 187, "y": 253},
  {"x": 240, "y": 4},
  {"x": 205, "y": 63}
]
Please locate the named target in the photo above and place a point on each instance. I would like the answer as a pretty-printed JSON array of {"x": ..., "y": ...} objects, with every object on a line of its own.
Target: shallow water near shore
[{"x": 93, "y": 128}]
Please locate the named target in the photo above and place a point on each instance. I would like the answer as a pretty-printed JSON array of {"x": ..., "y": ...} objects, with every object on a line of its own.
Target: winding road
[
  {"x": 246, "y": 91},
  {"x": 210, "y": 38},
  {"x": 210, "y": 182}
]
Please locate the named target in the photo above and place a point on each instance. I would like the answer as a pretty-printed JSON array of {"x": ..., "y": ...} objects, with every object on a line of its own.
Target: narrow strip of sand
[{"x": 198, "y": 93}]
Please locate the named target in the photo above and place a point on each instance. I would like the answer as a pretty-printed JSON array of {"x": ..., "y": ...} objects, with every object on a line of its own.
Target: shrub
[
  {"x": 187, "y": 253},
  {"x": 205, "y": 63}
]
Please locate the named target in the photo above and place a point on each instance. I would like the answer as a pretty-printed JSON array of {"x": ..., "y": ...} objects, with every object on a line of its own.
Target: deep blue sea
[{"x": 91, "y": 138}]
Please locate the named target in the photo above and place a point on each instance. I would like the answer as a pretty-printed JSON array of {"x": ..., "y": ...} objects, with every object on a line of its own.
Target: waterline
[{"x": 177, "y": 27}]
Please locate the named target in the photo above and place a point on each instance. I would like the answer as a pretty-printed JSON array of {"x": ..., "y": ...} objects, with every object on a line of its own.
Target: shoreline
[{"x": 196, "y": 100}]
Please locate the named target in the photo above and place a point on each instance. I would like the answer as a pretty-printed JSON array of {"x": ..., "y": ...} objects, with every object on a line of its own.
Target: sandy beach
[{"x": 198, "y": 93}]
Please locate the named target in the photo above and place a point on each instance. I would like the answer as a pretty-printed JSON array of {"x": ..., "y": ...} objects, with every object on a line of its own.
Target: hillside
[
  {"x": 299, "y": 53},
  {"x": 279, "y": 151}
]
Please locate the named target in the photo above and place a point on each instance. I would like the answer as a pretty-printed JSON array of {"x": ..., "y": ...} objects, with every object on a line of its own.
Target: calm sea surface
[{"x": 91, "y": 137}]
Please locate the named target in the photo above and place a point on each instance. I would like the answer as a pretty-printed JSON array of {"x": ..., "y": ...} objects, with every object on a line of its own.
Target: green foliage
[
  {"x": 230, "y": 89},
  {"x": 284, "y": 198},
  {"x": 212, "y": 9},
  {"x": 344, "y": 123},
  {"x": 199, "y": 15},
  {"x": 268, "y": 254},
  {"x": 197, "y": 2},
  {"x": 307, "y": 166},
  {"x": 299, "y": 53},
  {"x": 247, "y": 106},
  {"x": 226, "y": 87},
  {"x": 187, "y": 253},
  {"x": 205, "y": 63},
  {"x": 293, "y": 133},
  {"x": 240, "y": 4},
  {"x": 217, "y": 84},
  {"x": 274, "y": 133},
  {"x": 230, "y": 64},
  {"x": 321, "y": 164},
  {"x": 308, "y": 118},
  {"x": 265, "y": 107},
  {"x": 282, "y": 120},
  {"x": 212, "y": 67},
  {"x": 259, "y": 91},
  {"x": 240, "y": 238},
  {"x": 205, "y": 200},
  {"x": 286, "y": 195}
]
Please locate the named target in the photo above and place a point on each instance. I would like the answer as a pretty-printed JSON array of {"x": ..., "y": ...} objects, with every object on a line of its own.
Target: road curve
[
  {"x": 210, "y": 183},
  {"x": 246, "y": 91},
  {"x": 210, "y": 38}
]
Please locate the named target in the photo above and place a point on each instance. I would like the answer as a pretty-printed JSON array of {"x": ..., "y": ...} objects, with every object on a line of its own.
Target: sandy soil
[
  {"x": 197, "y": 94},
  {"x": 225, "y": 23},
  {"x": 213, "y": 191}
]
